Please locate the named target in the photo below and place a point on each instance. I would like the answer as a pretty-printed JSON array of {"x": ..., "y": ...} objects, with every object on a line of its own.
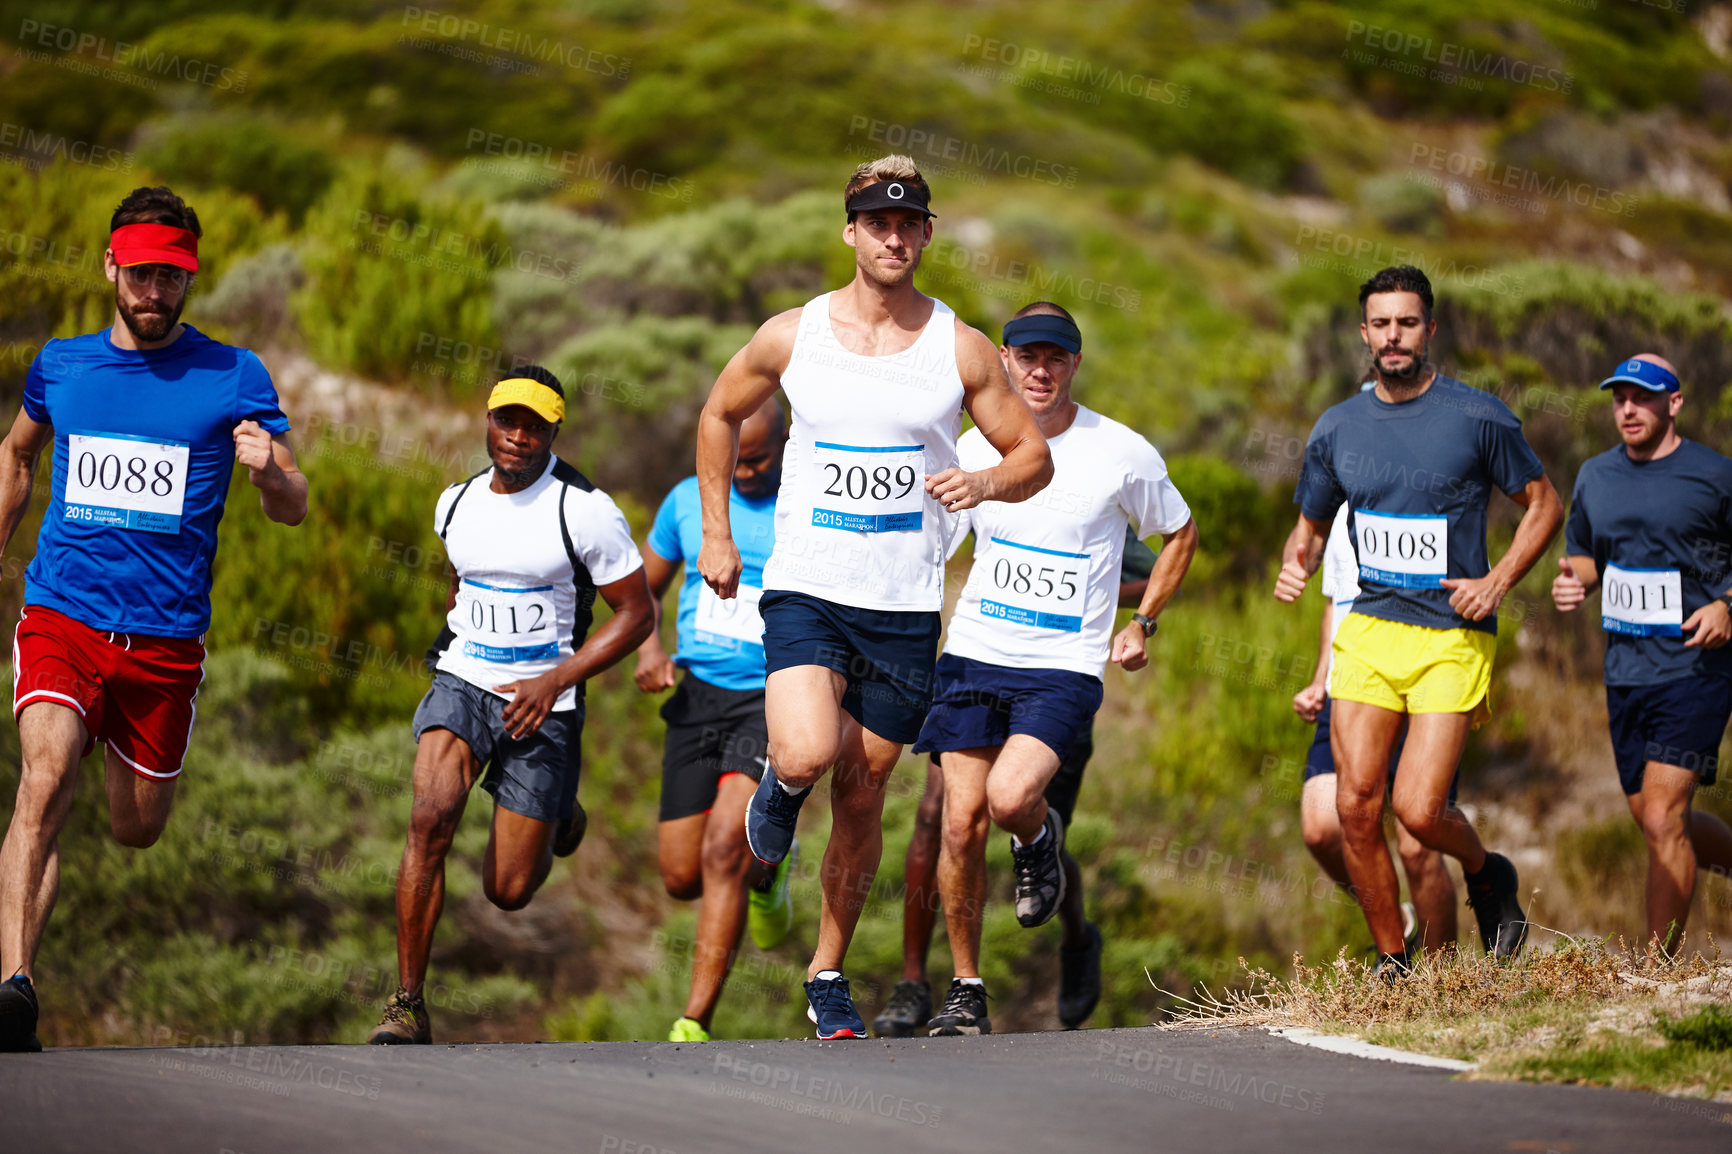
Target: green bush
[{"x": 249, "y": 154}]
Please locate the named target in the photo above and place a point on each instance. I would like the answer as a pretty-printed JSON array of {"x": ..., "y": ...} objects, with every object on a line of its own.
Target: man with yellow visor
[
  {"x": 531, "y": 543},
  {"x": 1414, "y": 462}
]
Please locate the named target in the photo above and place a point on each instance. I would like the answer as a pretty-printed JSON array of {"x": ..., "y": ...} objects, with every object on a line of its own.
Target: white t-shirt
[
  {"x": 1340, "y": 576},
  {"x": 1045, "y": 582},
  {"x": 520, "y": 602},
  {"x": 854, "y": 524}
]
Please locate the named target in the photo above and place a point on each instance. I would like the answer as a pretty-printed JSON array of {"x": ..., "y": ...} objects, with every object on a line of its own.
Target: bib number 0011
[
  {"x": 1028, "y": 585},
  {"x": 868, "y": 489},
  {"x": 126, "y": 482},
  {"x": 1642, "y": 602},
  {"x": 1411, "y": 552}
]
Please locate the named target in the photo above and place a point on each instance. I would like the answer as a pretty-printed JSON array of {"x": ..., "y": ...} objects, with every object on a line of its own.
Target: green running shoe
[
  {"x": 688, "y": 1030},
  {"x": 770, "y": 909}
]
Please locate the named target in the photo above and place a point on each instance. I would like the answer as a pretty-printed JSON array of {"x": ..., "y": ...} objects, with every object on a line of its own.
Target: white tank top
[{"x": 854, "y": 524}]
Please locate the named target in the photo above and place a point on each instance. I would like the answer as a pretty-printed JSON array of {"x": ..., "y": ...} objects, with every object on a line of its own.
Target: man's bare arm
[
  {"x": 1301, "y": 556},
  {"x": 1478, "y": 598},
  {"x": 1004, "y": 420},
  {"x": 19, "y": 453},
  {"x": 750, "y": 378}
]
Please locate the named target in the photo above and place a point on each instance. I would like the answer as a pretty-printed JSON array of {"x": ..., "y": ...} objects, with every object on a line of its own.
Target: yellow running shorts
[{"x": 1412, "y": 669}]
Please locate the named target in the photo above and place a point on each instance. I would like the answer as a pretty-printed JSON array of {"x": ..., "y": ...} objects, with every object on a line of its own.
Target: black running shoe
[
  {"x": 1491, "y": 893},
  {"x": 1391, "y": 968},
  {"x": 1079, "y": 981},
  {"x": 963, "y": 1012},
  {"x": 18, "y": 1012},
  {"x": 770, "y": 819},
  {"x": 1039, "y": 874},
  {"x": 568, "y": 832},
  {"x": 909, "y": 1006}
]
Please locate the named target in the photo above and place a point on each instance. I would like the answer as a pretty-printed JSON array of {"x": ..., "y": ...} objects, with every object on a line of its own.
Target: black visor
[{"x": 889, "y": 194}]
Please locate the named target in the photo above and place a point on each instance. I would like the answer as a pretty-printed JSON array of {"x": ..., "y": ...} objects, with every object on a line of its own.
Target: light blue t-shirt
[
  {"x": 143, "y": 452},
  {"x": 713, "y": 634}
]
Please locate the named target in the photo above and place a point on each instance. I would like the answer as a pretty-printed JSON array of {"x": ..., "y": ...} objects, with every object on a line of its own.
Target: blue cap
[
  {"x": 1645, "y": 373},
  {"x": 1049, "y": 327}
]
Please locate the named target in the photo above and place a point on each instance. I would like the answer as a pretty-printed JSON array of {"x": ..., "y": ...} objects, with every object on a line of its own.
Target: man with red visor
[{"x": 147, "y": 419}]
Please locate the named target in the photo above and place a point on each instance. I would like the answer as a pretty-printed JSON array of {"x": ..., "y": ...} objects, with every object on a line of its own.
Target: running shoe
[
  {"x": 404, "y": 1022},
  {"x": 1079, "y": 980},
  {"x": 909, "y": 1006},
  {"x": 18, "y": 1013},
  {"x": 831, "y": 1008},
  {"x": 1391, "y": 968},
  {"x": 1039, "y": 874},
  {"x": 1503, "y": 927},
  {"x": 770, "y": 904},
  {"x": 1409, "y": 928},
  {"x": 568, "y": 832},
  {"x": 770, "y": 819},
  {"x": 688, "y": 1030},
  {"x": 963, "y": 1012}
]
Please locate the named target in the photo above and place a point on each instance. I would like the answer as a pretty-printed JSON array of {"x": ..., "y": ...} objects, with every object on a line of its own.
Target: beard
[
  {"x": 884, "y": 279},
  {"x": 1415, "y": 365},
  {"x": 144, "y": 322}
]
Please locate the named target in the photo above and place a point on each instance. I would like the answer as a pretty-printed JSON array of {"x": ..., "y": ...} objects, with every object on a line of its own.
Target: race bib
[
  {"x": 1411, "y": 552},
  {"x": 126, "y": 482},
  {"x": 1642, "y": 602},
  {"x": 869, "y": 489},
  {"x": 736, "y": 620},
  {"x": 503, "y": 625},
  {"x": 1027, "y": 585}
]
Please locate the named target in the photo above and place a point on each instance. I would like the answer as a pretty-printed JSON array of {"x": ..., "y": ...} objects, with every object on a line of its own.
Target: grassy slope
[{"x": 1200, "y": 243}]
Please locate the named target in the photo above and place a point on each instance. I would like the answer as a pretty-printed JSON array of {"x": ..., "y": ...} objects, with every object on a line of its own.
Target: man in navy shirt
[
  {"x": 1651, "y": 527},
  {"x": 1414, "y": 462},
  {"x": 147, "y": 420}
]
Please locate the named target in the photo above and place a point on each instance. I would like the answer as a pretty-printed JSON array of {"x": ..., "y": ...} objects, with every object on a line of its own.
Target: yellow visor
[{"x": 534, "y": 394}]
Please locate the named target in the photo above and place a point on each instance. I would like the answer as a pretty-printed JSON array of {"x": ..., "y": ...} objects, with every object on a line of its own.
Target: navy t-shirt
[
  {"x": 1416, "y": 478},
  {"x": 143, "y": 452},
  {"x": 1660, "y": 534}
]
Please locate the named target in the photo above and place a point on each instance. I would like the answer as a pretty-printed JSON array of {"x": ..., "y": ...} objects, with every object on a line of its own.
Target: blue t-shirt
[
  {"x": 145, "y": 440},
  {"x": 1416, "y": 478},
  {"x": 713, "y": 645},
  {"x": 1667, "y": 525}
]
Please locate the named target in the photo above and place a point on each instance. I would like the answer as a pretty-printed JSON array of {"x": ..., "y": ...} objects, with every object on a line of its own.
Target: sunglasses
[{"x": 166, "y": 276}]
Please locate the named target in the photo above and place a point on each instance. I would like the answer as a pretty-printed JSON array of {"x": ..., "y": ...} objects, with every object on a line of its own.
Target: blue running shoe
[
  {"x": 770, "y": 819},
  {"x": 831, "y": 1008}
]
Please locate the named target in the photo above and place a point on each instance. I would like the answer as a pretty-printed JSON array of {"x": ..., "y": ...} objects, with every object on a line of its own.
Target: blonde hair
[{"x": 892, "y": 167}]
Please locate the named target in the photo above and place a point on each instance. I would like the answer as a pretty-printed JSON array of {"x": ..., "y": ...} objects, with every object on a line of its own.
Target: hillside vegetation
[{"x": 413, "y": 199}]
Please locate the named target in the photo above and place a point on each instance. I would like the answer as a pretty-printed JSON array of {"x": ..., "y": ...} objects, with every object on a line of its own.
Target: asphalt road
[{"x": 1093, "y": 1091}]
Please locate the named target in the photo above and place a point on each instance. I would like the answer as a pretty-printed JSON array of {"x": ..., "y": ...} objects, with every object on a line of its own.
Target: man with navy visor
[
  {"x": 1650, "y": 526},
  {"x": 1019, "y": 681}
]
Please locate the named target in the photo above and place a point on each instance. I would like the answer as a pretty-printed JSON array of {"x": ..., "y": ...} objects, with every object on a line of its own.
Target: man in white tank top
[{"x": 877, "y": 376}]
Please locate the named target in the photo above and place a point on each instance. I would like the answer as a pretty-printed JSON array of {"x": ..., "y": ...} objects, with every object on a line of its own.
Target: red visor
[{"x": 154, "y": 244}]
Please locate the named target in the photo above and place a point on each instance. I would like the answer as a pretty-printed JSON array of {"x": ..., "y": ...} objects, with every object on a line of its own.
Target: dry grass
[{"x": 1583, "y": 1011}]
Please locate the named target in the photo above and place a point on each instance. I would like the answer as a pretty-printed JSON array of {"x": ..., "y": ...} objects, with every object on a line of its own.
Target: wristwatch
[{"x": 1147, "y": 624}]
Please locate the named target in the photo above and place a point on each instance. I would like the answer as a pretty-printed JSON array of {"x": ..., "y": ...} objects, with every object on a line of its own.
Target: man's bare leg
[
  {"x": 1320, "y": 826},
  {"x": 727, "y": 871},
  {"x": 1431, "y": 889},
  {"x": 1361, "y": 737},
  {"x": 51, "y": 737},
  {"x": 921, "y": 897},
  {"x": 445, "y": 769},
  {"x": 1680, "y": 841},
  {"x": 856, "y": 839},
  {"x": 962, "y": 858},
  {"x": 517, "y": 860}
]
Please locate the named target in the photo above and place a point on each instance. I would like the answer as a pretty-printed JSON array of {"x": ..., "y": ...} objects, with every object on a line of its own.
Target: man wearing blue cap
[
  {"x": 1650, "y": 525},
  {"x": 1019, "y": 681}
]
